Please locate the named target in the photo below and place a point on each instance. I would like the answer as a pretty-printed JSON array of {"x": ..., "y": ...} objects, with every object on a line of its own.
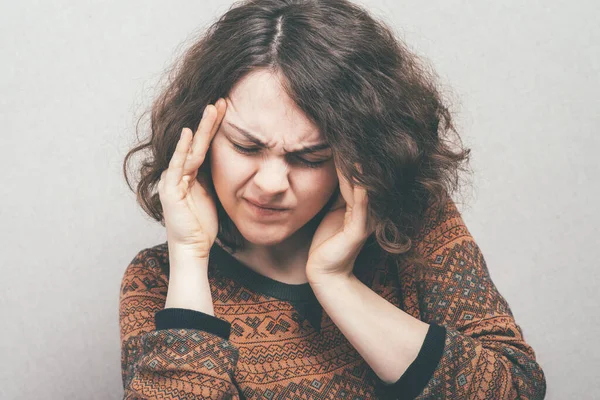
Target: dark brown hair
[{"x": 373, "y": 100}]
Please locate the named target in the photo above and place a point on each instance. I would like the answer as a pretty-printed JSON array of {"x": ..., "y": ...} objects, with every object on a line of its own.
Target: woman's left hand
[{"x": 341, "y": 234}]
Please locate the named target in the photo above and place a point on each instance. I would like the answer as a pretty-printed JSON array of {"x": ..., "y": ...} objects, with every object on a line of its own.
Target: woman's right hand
[{"x": 188, "y": 201}]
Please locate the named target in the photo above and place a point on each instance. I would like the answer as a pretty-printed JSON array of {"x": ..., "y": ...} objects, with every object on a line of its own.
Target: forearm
[
  {"x": 387, "y": 338},
  {"x": 188, "y": 282}
]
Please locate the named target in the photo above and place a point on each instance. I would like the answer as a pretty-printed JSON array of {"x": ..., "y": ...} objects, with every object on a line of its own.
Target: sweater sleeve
[
  {"x": 170, "y": 353},
  {"x": 482, "y": 354}
]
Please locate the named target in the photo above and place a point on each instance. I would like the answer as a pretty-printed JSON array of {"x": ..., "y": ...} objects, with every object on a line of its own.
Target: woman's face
[{"x": 275, "y": 174}]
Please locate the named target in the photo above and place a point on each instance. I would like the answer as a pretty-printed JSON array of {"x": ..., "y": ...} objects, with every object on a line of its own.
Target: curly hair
[{"x": 373, "y": 100}]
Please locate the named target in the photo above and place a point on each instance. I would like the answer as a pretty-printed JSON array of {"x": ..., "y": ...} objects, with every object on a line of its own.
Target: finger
[
  {"x": 366, "y": 220},
  {"x": 161, "y": 182},
  {"x": 207, "y": 128},
  {"x": 163, "y": 175},
  {"x": 345, "y": 187},
  {"x": 360, "y": 222},
  {"x": 201, "y": 139},
  {"x": 175, "y": 171},
  {"x": 221, "y": 106},
  {"x": 359, "y": 211}
]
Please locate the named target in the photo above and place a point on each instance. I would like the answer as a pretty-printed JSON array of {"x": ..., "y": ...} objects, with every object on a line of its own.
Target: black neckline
[{"x": 235, "y": 269}]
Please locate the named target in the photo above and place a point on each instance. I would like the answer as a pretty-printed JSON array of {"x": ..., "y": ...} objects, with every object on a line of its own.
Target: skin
[{"x": 275, "y": 247}]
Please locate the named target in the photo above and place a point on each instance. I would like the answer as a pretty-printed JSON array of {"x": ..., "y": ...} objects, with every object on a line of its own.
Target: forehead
[{"x": 258, "y": 104}]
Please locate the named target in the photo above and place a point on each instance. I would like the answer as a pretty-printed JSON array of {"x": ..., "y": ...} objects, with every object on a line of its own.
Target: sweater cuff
[
  {"x": 418, "y": 374},
  {"x": 178, "y": 318}
]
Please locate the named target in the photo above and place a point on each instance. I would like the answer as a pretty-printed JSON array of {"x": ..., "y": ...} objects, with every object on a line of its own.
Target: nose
[{"x": 272, "y": 177}]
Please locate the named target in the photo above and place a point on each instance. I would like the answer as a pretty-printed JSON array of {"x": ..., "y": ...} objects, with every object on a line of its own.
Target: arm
[
  {"x": 484, "y": 353},
  {"x": 388, "y": 339},
  {"x": 172, "y": 352}
]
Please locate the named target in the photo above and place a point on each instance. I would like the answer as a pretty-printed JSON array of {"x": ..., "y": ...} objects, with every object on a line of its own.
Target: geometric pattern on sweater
[
  {"x": 277, "y": 345},
  {"x": 483, "y": 340},
  {"x": 274, "y": 353}
]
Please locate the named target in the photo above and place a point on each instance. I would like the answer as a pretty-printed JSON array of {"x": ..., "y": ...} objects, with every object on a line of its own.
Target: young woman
[{"x": 313, "y": 249}]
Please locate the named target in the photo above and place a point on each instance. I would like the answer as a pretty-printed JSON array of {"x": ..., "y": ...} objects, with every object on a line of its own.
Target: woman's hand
[
  {"x": 340, "y": 235},
  {"x": 188, "y": 202}
]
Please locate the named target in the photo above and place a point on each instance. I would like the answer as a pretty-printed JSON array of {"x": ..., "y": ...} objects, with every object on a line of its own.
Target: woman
[{"x": 313, "y": 249}]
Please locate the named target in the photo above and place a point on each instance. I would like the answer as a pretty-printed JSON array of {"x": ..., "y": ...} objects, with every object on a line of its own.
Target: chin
[{"x": 264, "y": 237}]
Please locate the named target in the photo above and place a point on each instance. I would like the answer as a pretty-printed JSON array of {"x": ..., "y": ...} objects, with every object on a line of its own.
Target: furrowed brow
[{"x": 258, "y": 142}]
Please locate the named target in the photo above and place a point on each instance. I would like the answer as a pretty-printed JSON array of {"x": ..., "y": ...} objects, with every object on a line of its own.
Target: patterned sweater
[{"x": 272, "y": 340}]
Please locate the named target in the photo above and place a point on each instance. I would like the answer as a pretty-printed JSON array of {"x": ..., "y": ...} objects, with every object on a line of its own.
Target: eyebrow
[{"x": 258, "y": 142}]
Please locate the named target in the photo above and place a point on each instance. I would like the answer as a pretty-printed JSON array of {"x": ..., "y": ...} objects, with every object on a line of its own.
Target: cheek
[
  {"x": 227, "y": 167},
  {"x": 317, "y": 187}
]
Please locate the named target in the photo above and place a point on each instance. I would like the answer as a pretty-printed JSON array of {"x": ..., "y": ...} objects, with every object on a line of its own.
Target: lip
[
  {"x": 263, "y": 212},
  {"x": 265, "y": 207}
]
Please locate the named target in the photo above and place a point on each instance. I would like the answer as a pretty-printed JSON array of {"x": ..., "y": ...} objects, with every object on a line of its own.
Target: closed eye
[
  {"x": 256, "y": 150},
  {"x": 246, "y": 150}
]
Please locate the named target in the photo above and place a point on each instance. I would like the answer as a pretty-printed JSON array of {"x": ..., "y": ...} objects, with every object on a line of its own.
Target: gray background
[{"x": 75, "y": 75}]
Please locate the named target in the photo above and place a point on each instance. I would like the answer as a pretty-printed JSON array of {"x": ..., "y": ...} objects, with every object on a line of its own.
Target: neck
[{"x": 284, "y": 261}]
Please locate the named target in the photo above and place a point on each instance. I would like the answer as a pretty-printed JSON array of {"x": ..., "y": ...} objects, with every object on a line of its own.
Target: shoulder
[
  {"x": 143, "y": 291},
  {"x": 442, "y": 224},
  {"x": 149, "y": 265}
]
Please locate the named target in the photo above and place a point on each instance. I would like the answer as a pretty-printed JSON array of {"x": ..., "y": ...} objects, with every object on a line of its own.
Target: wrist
[
  {"x": 188, "y": 255},
  {"x": 330, "y": 280},
  {"x": 188, "y": 283},
  {"x": 188, "y": 251}
]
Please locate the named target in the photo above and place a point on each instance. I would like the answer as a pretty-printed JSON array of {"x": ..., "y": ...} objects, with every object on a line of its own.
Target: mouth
[
  {"x": 266, "y": 207},
  {"x": 265, "y": 211}
]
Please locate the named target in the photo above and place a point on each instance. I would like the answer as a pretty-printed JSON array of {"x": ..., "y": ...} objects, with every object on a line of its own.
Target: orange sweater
[{"x": 271, "y": 340}]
